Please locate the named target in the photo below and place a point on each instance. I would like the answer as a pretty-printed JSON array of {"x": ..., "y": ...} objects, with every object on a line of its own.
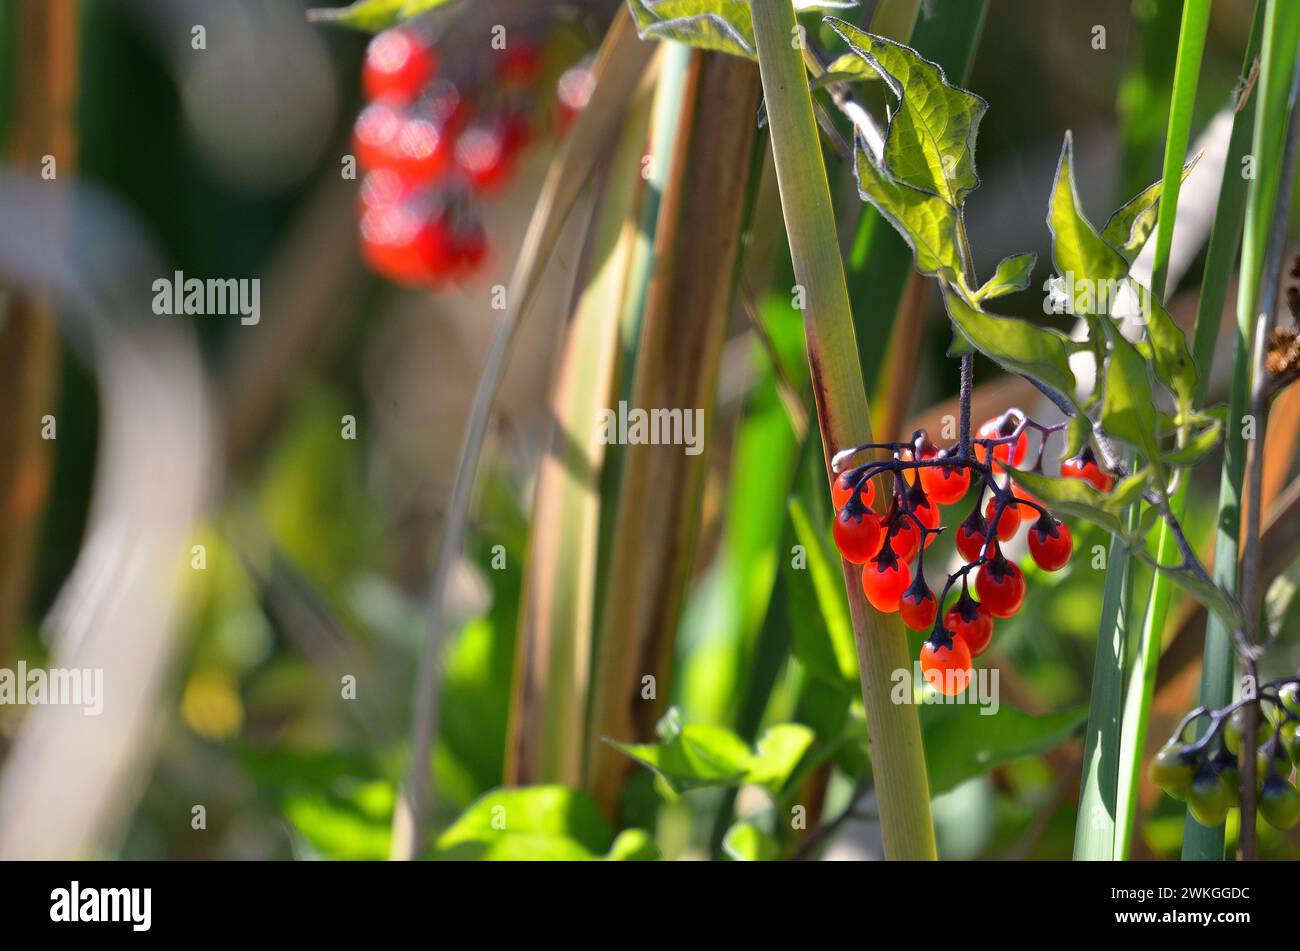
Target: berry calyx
[
  {"x": 969, "y": 620},
  {"x": 902, "y": 532},
  {"x": 884, "y": 579},
  {"x": 1084, "y": 466},
  {"x": 1000, "y": 586},
  {"x": 857, "y": 533},
  {"x": 924, "y": 510},
  {"x": 945, "y": 485},
  {"x": 946, "y": 663},
  {"x": 1050, "y": 544},
  {"x": 842, "y": 490},
  {"x": 398, "y": 64},
  {"x": 918, "y": 605}
]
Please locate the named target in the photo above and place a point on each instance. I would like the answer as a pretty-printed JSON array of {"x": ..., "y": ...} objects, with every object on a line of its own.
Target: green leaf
[
  {"x": 1128, "y": 406},
  {"x": 927, "y": 223},
  {"x": 703, "y": 754},
  {"x": 746, "y": 842},
  {"x": 962, "y": 742},
  {"x": 1016, "y": 345},
  {"x": 1011, "y": 276},
  {"x": 1127, "y": 230},
  {"x": 1078, "y": 251},
  {"x": 1208, "y": 593},
  {"x": 633, "y": 845},
  {"x": 823, "y": 638},
  {"x": 930, "y": 143},
  {"x": 374, "y": 15},
  {"x": 528, "y": 822},
  {"x": 779, "y": 751},
  {"x": 1196, "y": 448},
  {"x": 1078, "y": 498},
  {"x": 721, "y": 25},
  {"x": 1174, "y": 364}
]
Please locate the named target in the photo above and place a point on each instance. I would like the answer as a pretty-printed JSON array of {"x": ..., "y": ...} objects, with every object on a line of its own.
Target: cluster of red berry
[
  {"x": 431, "y": 148},
  {"x": 888, "y": 544}
]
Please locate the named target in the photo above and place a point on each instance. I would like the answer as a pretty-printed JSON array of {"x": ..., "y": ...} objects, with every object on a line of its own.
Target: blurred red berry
[
  {"x": 520, "y": 64},
  {"x": 398, "y": 64}
]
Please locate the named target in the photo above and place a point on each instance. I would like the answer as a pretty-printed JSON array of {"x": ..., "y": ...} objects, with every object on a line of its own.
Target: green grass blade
[
  {"x": 1281, "y": 23},
  {"x": 1137, "y": 699},
  {"x": 1219, "y": 262},
  {"x": 902, "y": 787}
]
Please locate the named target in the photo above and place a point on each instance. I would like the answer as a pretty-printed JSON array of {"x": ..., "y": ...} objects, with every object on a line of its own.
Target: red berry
[
  {"x": 884, "y": 579},
  {"x": 1084, "y": 466},
  {"x": 946, "y": 664},
  {"x": 945, "y": 484},
  {"x": 970, "y": 621},
  {"x": 520, "y": 64},
  {"x": 926, "y": 511},
  {"x": 401, "y": 242},
  {"x": 905, "y": 537},
  {"x": 857, "y": 536},
  {"x": 1001, "y": 587},
  {"x": 1008, "y": 521},
  {"x": 1050, "y": 543},
  {"x": 374, "y": 137},
  {"x": 1000, "y": 427},
  {"x": 398, "y": 64},
  {"x": 573, "y": 92},
  {"x": 381, "y": 188},
  {"x": 485, "y": 155},
  {"x": 971, "y": 534},
  {"x": 918, "y": 606},
  {"x": 842, "y": 490}
]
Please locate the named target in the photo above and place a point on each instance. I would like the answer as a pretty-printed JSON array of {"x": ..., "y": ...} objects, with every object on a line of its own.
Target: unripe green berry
[
  {"x": 1209, "y": 799},
  {"x": 1170, "y": 769},
  {"x": 1289, "y": 694},
  {"x": 1279, "y": 803}
]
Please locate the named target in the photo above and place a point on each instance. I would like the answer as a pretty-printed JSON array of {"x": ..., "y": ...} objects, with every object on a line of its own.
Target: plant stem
[
  {"x": 902, "y": 786},
  {"x": 1251, "y": 593}
]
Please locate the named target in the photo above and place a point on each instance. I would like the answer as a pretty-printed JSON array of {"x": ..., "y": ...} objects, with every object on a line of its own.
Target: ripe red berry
[
  {"x": 520, "y": 64},
  {"x": 925, "y": 510},
  {"x": 404, "y": 243},
  {"x": 945, "y": 484},
  {"x": 970, "y": 621},
  {"x": 374, "y": 137},
  {"x": 946, "y": 663},
  {"x": 1084, "y": 466},
  {"x": 842, "y": 490},
  {"x": 857, "y": 535},
  {"x": 1000, "y": 427},
  {"x": 1050, "y": 543},
  {"x": 971, "y": 534},
  {"x": 398, "y": 64},
  {"x": 918, "y": 605},
  {"x": 1008, "y": 521},
  {"x": 573, "y": 92},
  {"x": 903, "y": 534},
  {"x": 486, "y": 155},
  {"x": 884, "y": 579},
  {"x": 1000, "y": 586}
]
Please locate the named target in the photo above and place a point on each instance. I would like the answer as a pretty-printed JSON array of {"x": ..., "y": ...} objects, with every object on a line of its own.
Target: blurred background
[{"x": 226, "y": 665}]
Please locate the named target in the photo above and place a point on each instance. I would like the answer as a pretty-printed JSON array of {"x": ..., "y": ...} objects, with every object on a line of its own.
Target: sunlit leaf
[
  {"x": 1196, "y": 448},
  {"x": 633, "y": 845},
  {"x": 528, "y": 822},
  {"x": 778, "y": 751},
  {"x": 375, "y": 15},
  {"x": 1173, "y": 361},
  {"x": 1078, "y": 498},
  {"x": 961, "y": 741},
  {"x": 1011, "y": 276},
  {"x": 721, "y": 25},
  {"x": 1127, "y": 229},
  {"x": 1128, "y": 407},
  {"x": 930, "y": 144},
  {"x": 1078, "y": 251},
  {"x": 746, "y": 842},
  {"x": 1039, "y": 353},
  {"x": 926, "y": 222}
]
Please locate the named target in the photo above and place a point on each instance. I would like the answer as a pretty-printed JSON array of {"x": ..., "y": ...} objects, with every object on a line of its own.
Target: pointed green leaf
[
  {"x": 1196, "y": 448},
  {"x": 1078, "y": 498},
  {"x": 721, "y": 25},
  {"x": 1081, "y": 257},
  {"x": 1017, "y": 345},
  {"x": 633, "y": 845},
  {"x": 536, "y": 821},
  {"x": 1174, "y": 364},
  {"x": 374, "y": 15},
  {"x": 930, "y": 143},
  {"x": 1011, "y": 276},
  {"x": 1128, "y": 229},
  {"x": 926, "y": 222},
  {"x": 1128, "y": 406},
  {"x": 1208, "y": 593},
  {"x": 777, "y": 753}
]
